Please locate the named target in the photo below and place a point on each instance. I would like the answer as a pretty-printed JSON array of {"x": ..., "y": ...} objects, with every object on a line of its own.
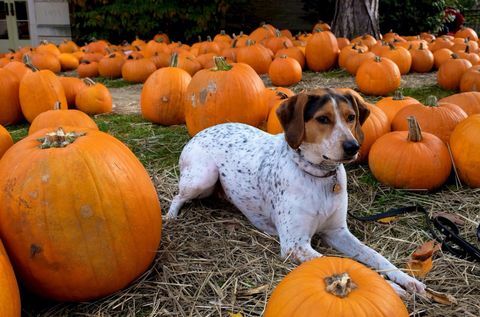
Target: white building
[{"x": 27, "y": 22}]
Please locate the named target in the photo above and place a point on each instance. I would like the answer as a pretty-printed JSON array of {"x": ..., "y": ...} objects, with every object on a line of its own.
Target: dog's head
[{"x": 325, "y": 123}]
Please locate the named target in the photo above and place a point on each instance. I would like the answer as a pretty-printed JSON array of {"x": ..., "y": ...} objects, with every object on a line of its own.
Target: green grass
[
  {"x": 336, "y": 73},
  {"x": 421, "y": 93},
  {"x": 112, "y": 83}
]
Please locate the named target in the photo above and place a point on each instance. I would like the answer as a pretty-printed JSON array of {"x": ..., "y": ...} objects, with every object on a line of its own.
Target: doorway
[{"x": 14, "y": 24}]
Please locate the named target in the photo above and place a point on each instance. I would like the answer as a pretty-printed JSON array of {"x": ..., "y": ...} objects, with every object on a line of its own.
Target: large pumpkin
[
  {"x": 392, "y": 105},
  {"x": 451, "y": 71},
  {"x": 10, "y": 111},
  {"x": 57, "y": 118},
  {"x": 80, "y": 217},
  {"x": 470, "y": 80},
  {"x": 410, "y": 159},
  {"x": 9, "y": 294},
  {"x": 378, "y": 76},
  {"x": 94, "y": 99},
  {"x": 422, "y": 59},
  {"x": 322, "y": 51},
  {"x": 400, "y": 56},
  {"x": 163, "y": 95},
  {"x": 255, "y": 55},
  {"x": 334, "y": 287},
  {"x": 438, "y": 118},
  {"x": 465, "y": 147},
  {"x": 375, "y": 126},
  {"x": 468, "y": 101},
  {"x": 227, "y": 93},
  {"x": 39, "y": 91}
]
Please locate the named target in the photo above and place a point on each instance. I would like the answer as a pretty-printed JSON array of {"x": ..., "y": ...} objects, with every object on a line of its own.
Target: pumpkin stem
[
  {"x": 285, "y": 44},
  {"x": 340, "y": 285},
  {"x": 392, "y": 47},
  {"x": 431, "y": 101},
  {"x": 174, "y": 60},
  {"x": 59, "y": 139},
  {"x": 421, "y": 46},
  {"x": 28, "y": 62},
  {"x": 222, "y": 32},
  {"x": 377, "y": 59},
  {"x": 249, "y": 42},
  {"x": 467, "y": 49},
  {"x": 281, "y": 95},
  {"x": 209, "y": 38},
  {"x": 414, "y": 131},
  {"x": 221, "y": 64},
  {"x": 159, "y": 40},
  {"x": 454, "y": 56},
  {"x": 283, "y": 56},
  {"x": 57, "y": 105},
  {"x": 88, "y": 81},
  {"x": 277, "y": 33},
  {"x": 397, "y": 95}
]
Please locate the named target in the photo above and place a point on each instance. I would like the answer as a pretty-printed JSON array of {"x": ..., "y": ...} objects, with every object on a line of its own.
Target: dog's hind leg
[{"x": 198, "y": 176}]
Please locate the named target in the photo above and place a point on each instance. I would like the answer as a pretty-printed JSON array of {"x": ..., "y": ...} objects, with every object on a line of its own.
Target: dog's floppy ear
[
  {"x": 291, "y": 116},
  {"x": 361, "y": 111}
]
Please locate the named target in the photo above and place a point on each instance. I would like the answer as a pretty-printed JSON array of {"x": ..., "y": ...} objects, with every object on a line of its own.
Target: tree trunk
[{"x": 356, "y": 17}]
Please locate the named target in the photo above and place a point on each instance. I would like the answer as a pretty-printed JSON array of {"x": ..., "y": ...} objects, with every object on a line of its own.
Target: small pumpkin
[
  {"x": 92, "y": 211},
  {"x": 68, "y": 62},
  {"x": 400, "y": 56},
  {"x": 273, "y": 123},
  {"x": 293, "y": 52},
  {"x": 45, "y": 60},
  {"x": 451, "y": 71},
  {"x": 422, "y": 59},
  {"x": 353, "y": 63},
  {"x": 87, "y": 69},
  {"x": 468, "y": 101},
  {"x": 9, "y": 293},
  {"x": 365, "y": 39},
  {"x": 94, "y": 99},
  {"x": 163, "y": 95},
  {"x": 68, "y": 47},
  {"x": 392, "y": 105},
  {"x": 71, "y": 86},
  {"x": 410, "y": 159},
  {"x": 137, "y": 70},
  {"x": 211, "y": 89},
  {"x": 441, "y": 56},
  {"x": 188, "y": 63},
  {"x": 58, "y": 118},
  {"x": 111, "y": 66},
  {"x": 278, "y": 42},
  {"x": 321, "y": 52},
  {"x": 378, "y": 76},
  {"x": 285, "y": 71},
  {"x": 336, "y": 287},
  {"x": 375, "y": 126},
  {"x": 438, "y": 118},
  {"x": 470, "y": 80},
  {"x": 256, "y": 56},
  {"x": 465, "y": 147},
  {"x": 10, "y": 110}
]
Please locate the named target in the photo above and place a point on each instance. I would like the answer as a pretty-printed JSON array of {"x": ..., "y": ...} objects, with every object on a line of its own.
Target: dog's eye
[
  {"x": 350, "y": 118},
  {"x": 323, "y": 119}
]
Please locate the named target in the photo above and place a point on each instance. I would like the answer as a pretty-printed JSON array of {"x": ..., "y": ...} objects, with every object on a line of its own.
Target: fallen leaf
[
  {"x": 387, "y": 220},
  {"x": 441, "y": 298},
  {"x": 456, "y": 219},
  {"x": 253, "y": 291},
  {"x": 421, "y": 260},
  {"x": 235, "y": 315}
]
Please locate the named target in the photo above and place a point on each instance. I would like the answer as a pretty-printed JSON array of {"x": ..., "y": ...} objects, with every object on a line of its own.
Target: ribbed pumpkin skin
[
  {"x": 375, "y": 126},
  {"x": 79, "y": 222},
  {"x": 137, "y": 71},
  {"x": 470, "y": 81},
  {"x": 451, "y": 71},
  {"x": 439, "y": 120},
  {"x": 391, "y": 106},
  {"x": 256, "y": 56},
  {"x": 18, "y": 68},
  {"x": 10, "y": 111},
  {"x": 60, "y": 118},
  {"x": 322, "y": 51},
  {"x": 400, "y": 56},
  {"x": 465, "y": 147},
  {"x": 87, "y": 69},
  {"x": 378, "y": 77},
  {"x": 72, "y": 86},
  {"x": 285, "y": 71},
  {"x": 39, "y": 91},
  {"x": 163, "y": 96},
  {"x": 302, "y": 292},
  {"x": 468, "y": 101},
  {"x": 9, "y": 294},
  {"x": 94, "y": 99},
  {"x": 5, "y": 141},
  {"x": 399, "y": 163},
  {"x": 215, "y": 97}
]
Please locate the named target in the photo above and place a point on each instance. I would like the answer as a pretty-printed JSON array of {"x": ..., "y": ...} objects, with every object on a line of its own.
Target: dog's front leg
[
  {"x": 295, "y": 243},
  {"x": 344, "y": 241}
]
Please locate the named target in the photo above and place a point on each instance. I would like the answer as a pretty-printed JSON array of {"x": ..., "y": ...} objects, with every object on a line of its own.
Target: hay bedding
[{"x": 212, "y": 261}]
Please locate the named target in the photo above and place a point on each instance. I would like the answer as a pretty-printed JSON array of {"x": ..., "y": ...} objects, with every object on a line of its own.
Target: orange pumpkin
[
  {"x": 58, "y": 118},
  {"x": 38, "y": 93},
  {"x": 111, "y": 66},
  {"x": 9, "y": 293},
  {"x": 438, "y": 118},
  {"x": 469, "y": 55},
  {"x": 18, "y": 68},
  {"x": 353, "y": 63},
  {"x": 68, "y": 61},
  {"x": 272, "y": 94},
  {"x": 87, "y": 69},
  {"x": 466, "y": 32},
  {"x": 470, "y": 80},
  {"x": 68, "y": 47},
  {"x": 375, "y": 126},
  {"x": 441, "y": 56},
  {"x": 335, "y": 287},
  {"x": 137, "y": 70},
  {"x": 365, "y": 39},
  {"x": 392, "y": 105},
  {"x": 263, "y": 32},
  {"x": 320, "y": 25},
  {"x": 285, "y": 71},
  {"x": 468, "y": 101},
  {"x": 322, "y": 51},
  {"x": 45, "y": 61},
  {"x": 400, "y": 56},
  {"x": 222, "y": 37},
  {"x": 10, "y": 111},
  {"x": 273, "y": 123},
  {"x": 378, "y": 76},
  {"x": 71, "y": 86},
  {"x": 94, "y": 99},
  {"x": 278, "y": 42},
  {"x": 188, "y": 63},
  {"x": 451, "y": 71},
  {"x": 465, "y": 147},
  {"x": 163, "y": 95},
  {"x": 347, "y": 52},
  {"x": 210, "y": 89},
  {"x": 255, "y": 55},
  {"x": 94, "y": 219},
  {"x": 422, "y": 59},
  {"x": 410, "y": 159},
  {"x": 5, "y": 142},
  {"x": 293, "y": 52},
  {"x": 342, "y": 42}
]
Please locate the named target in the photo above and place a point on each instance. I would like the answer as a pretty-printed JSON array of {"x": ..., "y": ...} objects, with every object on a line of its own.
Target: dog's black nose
[{"x": 351, "y": 147}]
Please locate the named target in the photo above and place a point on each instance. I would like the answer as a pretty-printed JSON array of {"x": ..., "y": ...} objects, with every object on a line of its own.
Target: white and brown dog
[{"x": 294, "y": 184}]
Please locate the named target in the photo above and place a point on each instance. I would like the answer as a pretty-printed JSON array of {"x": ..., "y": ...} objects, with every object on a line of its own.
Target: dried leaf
[
  {"x": 253, "y": 291},
  {"x": 235, "y": 315},
  {"x": 387, "y": 220},
  {"x": 441, "y": 298},
  {"x": 421, "y": 261}
]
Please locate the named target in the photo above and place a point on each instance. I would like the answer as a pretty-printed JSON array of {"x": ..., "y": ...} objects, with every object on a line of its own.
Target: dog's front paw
[{"x": 411, "y": 284}]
